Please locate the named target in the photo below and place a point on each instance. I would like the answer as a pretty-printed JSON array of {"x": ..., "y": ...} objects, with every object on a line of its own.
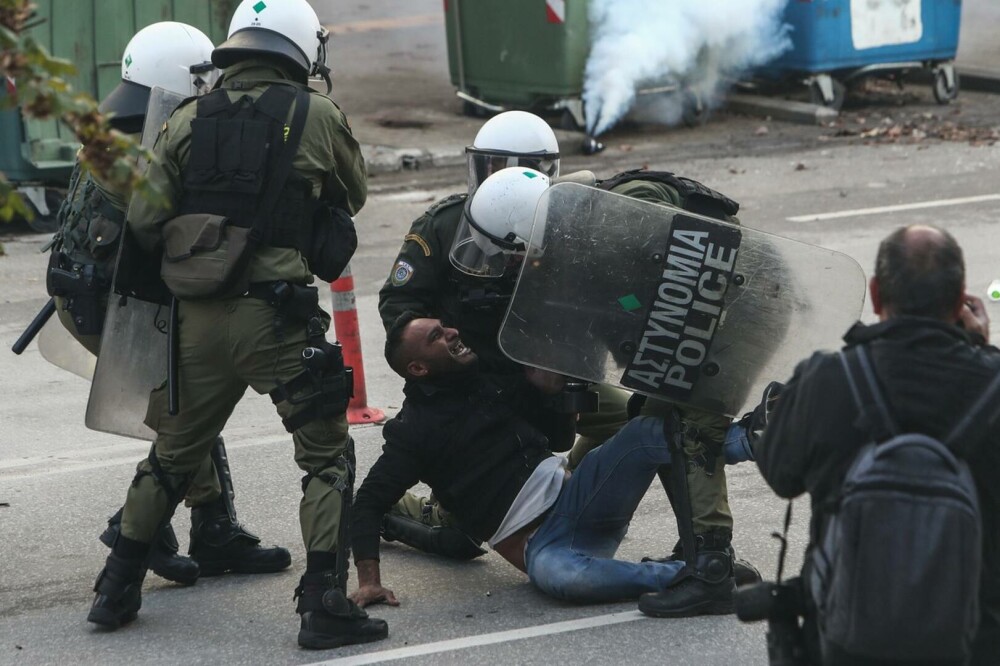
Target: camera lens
[{"x": 755, "y": 602}]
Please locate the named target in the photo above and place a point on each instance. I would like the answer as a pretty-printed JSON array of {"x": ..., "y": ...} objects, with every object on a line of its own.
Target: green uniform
[
  {"x": 424, "y": 281},
  {"x": 91, "y": 221},
  {"x": 229, "y": 344}
]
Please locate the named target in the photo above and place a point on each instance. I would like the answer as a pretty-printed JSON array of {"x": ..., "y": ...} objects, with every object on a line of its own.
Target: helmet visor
[
  {"x": 483, "y": 163},
  {"x": 203, "y": 77},
  {"x": 479, "y": 254}
]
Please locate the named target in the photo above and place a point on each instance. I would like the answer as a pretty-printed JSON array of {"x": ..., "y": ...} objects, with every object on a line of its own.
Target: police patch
[{"x": 401, "y": 273}]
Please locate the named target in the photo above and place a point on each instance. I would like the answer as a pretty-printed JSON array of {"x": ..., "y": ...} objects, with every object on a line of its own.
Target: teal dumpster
[
  {"x": 38, "y": 155},
  {"x": 838, "y": 42}
]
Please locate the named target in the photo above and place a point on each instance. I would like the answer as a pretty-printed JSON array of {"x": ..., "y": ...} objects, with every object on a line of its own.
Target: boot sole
[
  {"x": 109, "y": 620},
  {"x": 707, "y": 608},
  {"x": 180, "y": 580},
  {"x": 313, "y": 641},
  {"x": 211, "y": 569}
]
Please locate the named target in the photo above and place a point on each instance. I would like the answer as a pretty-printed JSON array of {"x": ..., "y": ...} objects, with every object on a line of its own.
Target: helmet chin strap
[
  {"x": 324, "y": 73},
  {"x": 319, "y": 67}
]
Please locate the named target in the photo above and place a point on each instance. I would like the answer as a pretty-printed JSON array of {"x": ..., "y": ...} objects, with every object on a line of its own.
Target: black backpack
[{"x": 895, "y": 571}]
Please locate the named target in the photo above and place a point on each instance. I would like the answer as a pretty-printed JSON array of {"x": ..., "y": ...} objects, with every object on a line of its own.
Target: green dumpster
[
  {"x": 38, "y": 155},
  {"x": 525, "y": 54}
]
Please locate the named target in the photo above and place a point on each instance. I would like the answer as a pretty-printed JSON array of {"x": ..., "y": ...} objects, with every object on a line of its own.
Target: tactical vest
[
  {"x": 695, "y": 197},
  {"x": 89, "y": 224},
  {"x": 234, "y": 149}
]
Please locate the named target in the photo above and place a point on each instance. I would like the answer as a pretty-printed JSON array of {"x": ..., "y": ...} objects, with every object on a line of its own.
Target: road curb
[
  {"x": 979, "y": 79},
  {"x": 780, "y": 109},
  {"x": 389, "y": 159}
]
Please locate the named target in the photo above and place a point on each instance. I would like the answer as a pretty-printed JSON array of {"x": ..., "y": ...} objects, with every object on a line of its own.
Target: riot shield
[
  {"x": 133, "y": 358},
  {"x": 672, "y": 305},
  {"x": 61, "y": 349}
]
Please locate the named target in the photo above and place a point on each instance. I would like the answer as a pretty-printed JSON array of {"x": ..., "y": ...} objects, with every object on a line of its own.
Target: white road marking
[
  {"x": 939, "y": 203},
  {"x": 485, "y": 639},
  {"x": 82, "y": 459}
]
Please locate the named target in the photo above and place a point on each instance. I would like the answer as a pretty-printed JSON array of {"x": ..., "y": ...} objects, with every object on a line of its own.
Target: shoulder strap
[
  {"x": 867, "y": 395},
  {"x": 958, "y": 439},
  {"x": 211, "y": 104},
  {"x": 282, "y": 168}
]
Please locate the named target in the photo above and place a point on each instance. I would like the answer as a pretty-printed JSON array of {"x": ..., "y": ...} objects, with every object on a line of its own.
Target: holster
[{"x": 84, "y": 288}]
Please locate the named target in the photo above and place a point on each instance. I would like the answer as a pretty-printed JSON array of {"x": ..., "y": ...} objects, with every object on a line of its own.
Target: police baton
[
  {"x": 173, "y": 349},
  {"x": 34, "y": 327}
]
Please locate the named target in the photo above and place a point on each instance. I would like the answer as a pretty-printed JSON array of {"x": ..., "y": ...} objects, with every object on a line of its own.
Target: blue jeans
[{"x": 570, "y": 556}]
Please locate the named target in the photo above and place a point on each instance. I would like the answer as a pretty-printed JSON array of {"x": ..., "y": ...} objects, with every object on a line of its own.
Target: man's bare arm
[{"x": 370, "y": 590}]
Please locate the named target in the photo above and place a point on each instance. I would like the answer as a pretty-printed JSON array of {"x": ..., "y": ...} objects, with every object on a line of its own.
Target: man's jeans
[{"x": 570, "y": 556}]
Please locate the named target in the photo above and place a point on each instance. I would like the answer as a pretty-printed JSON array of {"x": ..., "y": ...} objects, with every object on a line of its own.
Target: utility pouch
[
  {"x": 205, "y": 256},
  {"x": 333, "y": 244}
]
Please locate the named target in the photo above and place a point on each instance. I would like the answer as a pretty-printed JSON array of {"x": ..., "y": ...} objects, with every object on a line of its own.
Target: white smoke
[{"x": 702, "y": 44}]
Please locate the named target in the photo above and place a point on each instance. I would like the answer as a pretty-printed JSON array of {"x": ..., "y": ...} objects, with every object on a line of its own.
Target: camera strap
[{"x": 783, "y": 538}]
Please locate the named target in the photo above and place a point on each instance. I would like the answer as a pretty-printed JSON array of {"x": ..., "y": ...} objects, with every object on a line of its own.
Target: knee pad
[{"x": 174, "y": 485}]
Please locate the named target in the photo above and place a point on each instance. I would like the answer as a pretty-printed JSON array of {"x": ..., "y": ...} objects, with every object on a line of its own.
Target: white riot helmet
[
  {"x": 510, "y": 139},
  {"x": 288, "y": 29},
  {"x": 173, "y": 56},
  {"x": 496, "y": 228}
]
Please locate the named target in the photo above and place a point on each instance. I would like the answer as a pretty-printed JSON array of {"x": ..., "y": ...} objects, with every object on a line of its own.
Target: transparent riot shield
[
  {"x": 133, "y": 358},
  {"x": 672, "y": 305},
  {"x": 61, "y": 349}
]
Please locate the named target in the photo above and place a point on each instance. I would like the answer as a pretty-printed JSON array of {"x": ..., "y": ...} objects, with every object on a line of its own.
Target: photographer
[{"x": 930, "y": 371}]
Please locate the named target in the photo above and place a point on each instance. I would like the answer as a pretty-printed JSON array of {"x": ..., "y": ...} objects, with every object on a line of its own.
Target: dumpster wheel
[
  {"x": 695, "y": 110},
  {"x": 827, "y": 91},
  {"x": 945, "y": 84}
]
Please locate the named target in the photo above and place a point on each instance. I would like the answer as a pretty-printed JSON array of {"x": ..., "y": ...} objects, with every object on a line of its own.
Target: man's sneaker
[
  {"x": 329, "y": 618},
  {"x": 119, "y": 593},
  {"x": 164, "y": 560},
  {"x": 438, "y": 540},
  {"x": 219, "y": 544}
]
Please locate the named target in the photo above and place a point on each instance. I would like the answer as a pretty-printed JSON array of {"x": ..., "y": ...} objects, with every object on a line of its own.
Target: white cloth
[{"x": 537, "y": 494}]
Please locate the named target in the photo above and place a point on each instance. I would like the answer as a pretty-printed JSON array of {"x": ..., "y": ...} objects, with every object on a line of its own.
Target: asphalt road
[{"x": 59, "y": 481}]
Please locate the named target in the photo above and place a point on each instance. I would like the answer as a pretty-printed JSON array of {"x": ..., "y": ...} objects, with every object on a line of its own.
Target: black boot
[
  {"x": 329, "y": 618},
  {"x": 438, "y": 540},
  {"x": 219, "y": 543},
  {"x": 119, "y": 592},
  {"x": 707, "y": 589},
  {"x": 744, "y": 572},
  {"x": 164, "y": 560}
]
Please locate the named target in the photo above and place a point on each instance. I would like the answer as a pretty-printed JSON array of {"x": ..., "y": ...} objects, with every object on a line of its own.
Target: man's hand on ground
[{"x": 374, "y": 594}]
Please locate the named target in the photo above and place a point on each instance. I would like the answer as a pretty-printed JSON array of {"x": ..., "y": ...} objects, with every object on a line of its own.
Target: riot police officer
[
  {"x": 273, "y": 171},
  {"x": 175, "y": 57},
  {"x": 428, "y": 278}
]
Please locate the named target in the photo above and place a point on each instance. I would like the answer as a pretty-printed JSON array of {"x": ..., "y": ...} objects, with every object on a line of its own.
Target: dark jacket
[
  {"x": 474, "y": 439},
  {"x": 931, "y": 373}
]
